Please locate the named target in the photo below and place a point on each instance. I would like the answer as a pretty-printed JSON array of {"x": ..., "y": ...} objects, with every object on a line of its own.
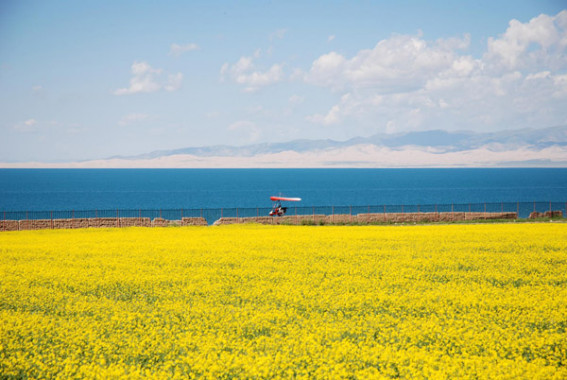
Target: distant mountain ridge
[
  {"x": 443, "y": 141},
  {"x": 545, "y": 147}
]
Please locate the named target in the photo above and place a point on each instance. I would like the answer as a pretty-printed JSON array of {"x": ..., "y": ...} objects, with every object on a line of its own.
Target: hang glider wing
[{"x": 274, "y": 198}]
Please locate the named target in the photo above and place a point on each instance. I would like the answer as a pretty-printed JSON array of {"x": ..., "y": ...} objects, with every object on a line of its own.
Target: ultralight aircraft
[{"x": 278, "y": 209}]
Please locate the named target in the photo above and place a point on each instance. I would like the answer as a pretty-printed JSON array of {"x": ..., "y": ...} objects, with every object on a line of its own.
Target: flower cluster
[{"x": 251, "y": 301}]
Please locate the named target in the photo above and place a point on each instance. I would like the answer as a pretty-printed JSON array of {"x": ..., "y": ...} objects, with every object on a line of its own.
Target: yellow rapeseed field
[{"x": 250, "y": 301}]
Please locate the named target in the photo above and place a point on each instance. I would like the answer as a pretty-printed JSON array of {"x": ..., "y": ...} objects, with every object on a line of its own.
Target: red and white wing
[{"x": 273, "y": 198}]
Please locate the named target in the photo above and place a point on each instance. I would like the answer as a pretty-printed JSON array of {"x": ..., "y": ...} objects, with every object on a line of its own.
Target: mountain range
[
  {"x": 434, "y": 148},
  {"x": 438, "y": 139}
]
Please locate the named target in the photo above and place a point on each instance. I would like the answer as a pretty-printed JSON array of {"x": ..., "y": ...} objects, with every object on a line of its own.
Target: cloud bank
[{"x": 408, "y": 83}]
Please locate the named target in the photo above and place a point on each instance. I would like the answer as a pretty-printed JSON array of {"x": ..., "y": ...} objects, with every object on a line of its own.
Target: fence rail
[{"x": 522, "y": 210}]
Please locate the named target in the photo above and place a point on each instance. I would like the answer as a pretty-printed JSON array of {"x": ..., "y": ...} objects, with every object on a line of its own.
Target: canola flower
[{"x": 250, "y": 301}]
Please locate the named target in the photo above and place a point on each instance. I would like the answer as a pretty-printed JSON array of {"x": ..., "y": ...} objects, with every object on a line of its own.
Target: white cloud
[
  {"x": 173, "y": 82},
  {"x": 330, "y": 38},
  {"x": 337, "y": 112},
  {"x": 176, "y": 50},
  {"x": 133, "y": 118},
  {"x": 399, "y": 63},
  {"x": 244, "y": 72},
  {"x": 539, "y": 42},
  {"x": 332, "y": 117},
  {"x": 146, "y": 79},
  {"x": 327, "y": 70},
  {"x": 27, "y": 126},
  {"x": 406, "y": 82}
]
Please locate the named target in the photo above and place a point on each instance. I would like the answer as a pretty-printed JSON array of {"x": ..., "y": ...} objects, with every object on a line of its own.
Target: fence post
[
  {"x": 237, "y": 215},
  {"x": 181, "y": 214},
  {"x": 117, "y": 218},
  {"x": 485, "y": 210},
  {"x": 502, "y": 207},
  {"x": 534, "y": 207},
  {"x": 452, "y": 208},
  {"x": 51, "y": 218},
  {"x": 258, "y": 212},
  {"x": 517, "y": 209},
  {"x": 160, "y": 213},
  {"x": 140, "y": 215},
  {"x": 4, "y": 225},
  {"x": 549, "y": 207},
  {"x": 221, "y": 212}
]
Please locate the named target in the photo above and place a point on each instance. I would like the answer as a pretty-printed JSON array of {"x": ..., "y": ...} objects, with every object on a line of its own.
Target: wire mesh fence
[{"x": 522, "y": 210}]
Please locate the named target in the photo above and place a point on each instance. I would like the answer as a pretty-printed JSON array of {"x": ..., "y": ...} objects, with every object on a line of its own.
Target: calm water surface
[{"x": 89, "y": 189}]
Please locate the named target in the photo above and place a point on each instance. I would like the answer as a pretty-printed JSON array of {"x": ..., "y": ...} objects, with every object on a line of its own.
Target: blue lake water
[{"x": 90, "y": 189}]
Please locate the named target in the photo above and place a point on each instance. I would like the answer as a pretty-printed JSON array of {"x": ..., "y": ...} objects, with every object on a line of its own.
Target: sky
[{"x": 84, "y": 80}]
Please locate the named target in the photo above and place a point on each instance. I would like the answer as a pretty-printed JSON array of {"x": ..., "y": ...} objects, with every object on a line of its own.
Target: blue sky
[{"x": 93, "y": 79}]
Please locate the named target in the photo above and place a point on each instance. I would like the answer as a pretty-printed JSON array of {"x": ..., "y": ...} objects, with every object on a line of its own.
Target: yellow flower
[{"x": 251, "y": 301}]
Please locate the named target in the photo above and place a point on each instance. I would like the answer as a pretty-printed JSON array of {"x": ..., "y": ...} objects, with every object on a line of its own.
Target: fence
[{"x": 120, "y": 217}]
